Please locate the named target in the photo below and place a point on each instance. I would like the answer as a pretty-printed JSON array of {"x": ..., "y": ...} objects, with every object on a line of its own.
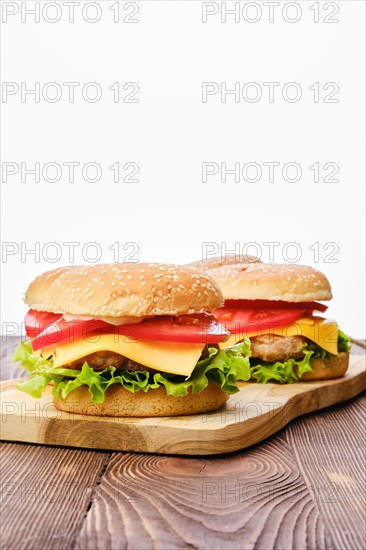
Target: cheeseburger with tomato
[
  {"x": 131, "y": 339},
  {"x": 277, "y": 307}
]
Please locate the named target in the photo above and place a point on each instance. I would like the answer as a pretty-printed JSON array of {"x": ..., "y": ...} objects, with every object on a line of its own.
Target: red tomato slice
[
  {"x": 62, "y": 330},
  {"x": 247, "y": 320},
  {"x": 37, "y": 321},
  {"x": 275, "y": 304},
  {"x": 190, "y": 329},
  {"x": 200, "y": 328}
]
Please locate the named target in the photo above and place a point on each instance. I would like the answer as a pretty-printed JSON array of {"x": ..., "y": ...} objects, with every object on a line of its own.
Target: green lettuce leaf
[
  {"x": 30, "y": 361},
  {"x": 344, "y": 342},
  {"x": 222, "y": 367},
  {"x": 35, "y": 385},
  {"x": 287, "y": 372},
  {"x": 36, "y": 366}
]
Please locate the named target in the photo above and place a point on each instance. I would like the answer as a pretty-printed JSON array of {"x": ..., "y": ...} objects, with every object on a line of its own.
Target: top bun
[
  {"x": 124, "y": 290},
  {"x": 287, "y": 282},
  {"x": 219, "y": 261}
]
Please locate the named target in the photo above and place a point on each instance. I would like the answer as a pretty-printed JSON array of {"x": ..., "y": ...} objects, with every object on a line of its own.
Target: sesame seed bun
[
  {"x": 259, "y": 281},
  {"x": 325, "y": 369},
  {"x": 128, "y": 289},
  {"x": 219, "y": 261},
  {"x": 37, "y": 288},
  {"x": 121, "y": 402}
]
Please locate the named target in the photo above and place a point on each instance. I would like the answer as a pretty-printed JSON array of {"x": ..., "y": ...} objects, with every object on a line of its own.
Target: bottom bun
[
  {"x": 325, "y": 369},
  {"x": 121, "y": 402}
]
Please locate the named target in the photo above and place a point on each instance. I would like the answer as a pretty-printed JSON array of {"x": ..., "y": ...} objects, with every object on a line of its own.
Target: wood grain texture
[
  {"x": 303, "y": 489},
  {"x": 330, "y": 450},
  {"x": 45, "y": 494},
  {"x": 174, "y": 502},
  {"x": 253, "y": 414}
]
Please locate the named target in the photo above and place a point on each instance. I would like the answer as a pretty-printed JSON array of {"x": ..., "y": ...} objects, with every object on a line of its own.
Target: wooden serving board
[{"x": 251, "y": 415}]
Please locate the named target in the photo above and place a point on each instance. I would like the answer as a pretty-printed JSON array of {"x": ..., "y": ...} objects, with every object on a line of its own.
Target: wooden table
[{"x": 303, "y": 488}]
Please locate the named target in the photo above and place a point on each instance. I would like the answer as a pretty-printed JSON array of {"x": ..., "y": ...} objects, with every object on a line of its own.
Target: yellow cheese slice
[
  {"x": 162, "y": 356},
  {"x": 322, "y": 332}
]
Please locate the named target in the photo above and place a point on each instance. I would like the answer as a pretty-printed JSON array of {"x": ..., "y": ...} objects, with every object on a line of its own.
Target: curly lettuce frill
[{"x": 223, "y": 367}]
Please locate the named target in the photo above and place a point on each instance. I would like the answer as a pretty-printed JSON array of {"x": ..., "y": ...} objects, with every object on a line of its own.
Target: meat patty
[
  {"x": 271, "y": 348},
  {"x": 133, "y": 366},
  {"x": 99, "y": 361}
]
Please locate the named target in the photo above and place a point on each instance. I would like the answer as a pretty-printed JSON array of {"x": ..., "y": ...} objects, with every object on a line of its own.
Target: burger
[
  {"x": 279, "y": 308},
  {"x": 224, "y": 260},
  {"x": 131, "y": 339}
]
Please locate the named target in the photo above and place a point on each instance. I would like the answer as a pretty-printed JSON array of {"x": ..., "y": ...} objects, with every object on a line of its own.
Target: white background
[{"x": 170, "y": 212}]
